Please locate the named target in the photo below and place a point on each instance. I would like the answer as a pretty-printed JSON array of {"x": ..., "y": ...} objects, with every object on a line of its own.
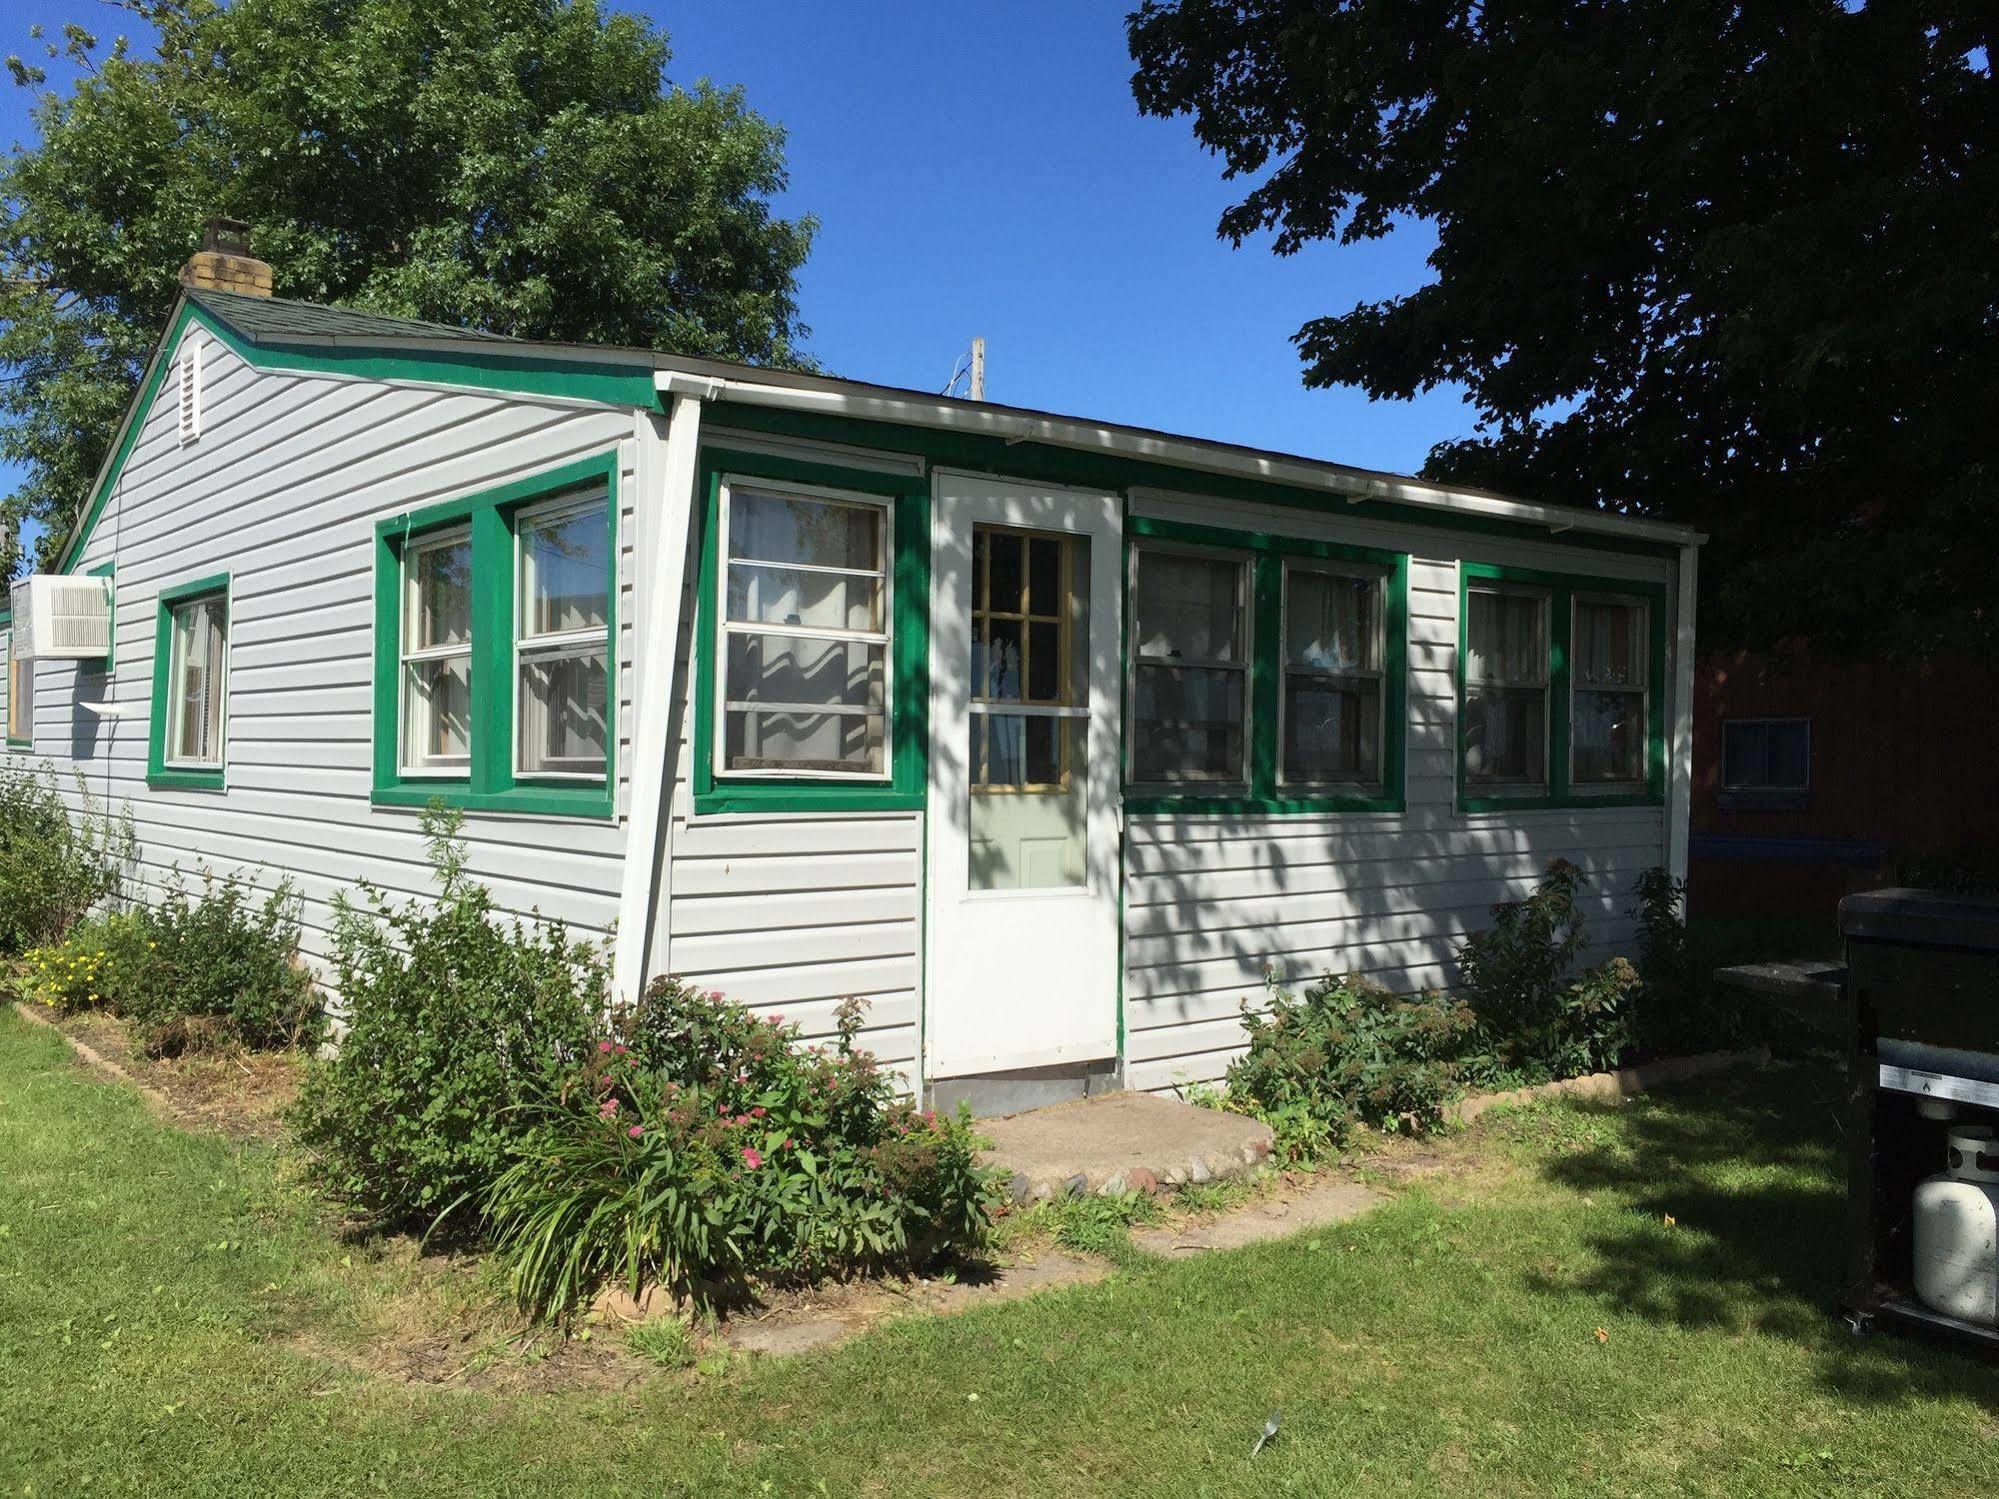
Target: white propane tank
[{"x": 1957, "y": 1230}]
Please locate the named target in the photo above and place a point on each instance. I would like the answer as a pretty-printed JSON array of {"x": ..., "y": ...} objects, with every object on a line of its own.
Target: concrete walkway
[{"x": 1121, "y": 1142}]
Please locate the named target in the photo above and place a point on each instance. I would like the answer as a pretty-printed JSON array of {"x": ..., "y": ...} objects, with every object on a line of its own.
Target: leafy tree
[
  {"x": 514, "y": 165},
  {"x": 1735, "y": 265}
]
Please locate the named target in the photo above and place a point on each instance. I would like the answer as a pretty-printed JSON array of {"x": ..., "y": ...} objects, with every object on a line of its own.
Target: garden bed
[{"x": 234, "y": 1091}]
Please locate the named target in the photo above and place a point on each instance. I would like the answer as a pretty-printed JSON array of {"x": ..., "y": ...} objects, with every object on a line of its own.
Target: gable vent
[{"x": 188, "y": 373}]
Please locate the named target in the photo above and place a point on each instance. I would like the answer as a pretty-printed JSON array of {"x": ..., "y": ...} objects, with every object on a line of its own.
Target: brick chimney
[{"x": 224, "y": 262}]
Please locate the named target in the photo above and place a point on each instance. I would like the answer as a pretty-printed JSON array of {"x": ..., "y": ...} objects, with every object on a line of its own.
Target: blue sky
[{"x": 983, "y": 170}]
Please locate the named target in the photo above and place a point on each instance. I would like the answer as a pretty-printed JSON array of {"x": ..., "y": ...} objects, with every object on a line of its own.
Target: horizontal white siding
[
  {"x": 790, "y": 913},
  {"x": 1211, "y": 903},
  {"x": 282, "y": 491}
]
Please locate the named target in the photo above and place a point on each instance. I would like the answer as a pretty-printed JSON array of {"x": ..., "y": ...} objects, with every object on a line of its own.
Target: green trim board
[
  {"x": 1263, "y": 793},
  {"x": 907, "y": 785},
  {"x": 1561, "y": 589},
  {"x": 108, "y": 570},
  {"x": 1117, "y": 474},
  {"x": 608, "y": 382},
  {"x": 159, "y": 775},
  {"x": 490, "y": 782}
]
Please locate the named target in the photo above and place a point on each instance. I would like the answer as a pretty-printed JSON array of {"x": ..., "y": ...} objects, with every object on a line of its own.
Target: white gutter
[
  {"x": 1014, "y": 426},
  {"x": 665, "y": 509}
]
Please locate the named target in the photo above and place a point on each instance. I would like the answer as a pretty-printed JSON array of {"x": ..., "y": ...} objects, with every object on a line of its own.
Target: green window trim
[
  {"x": 159, "y": 775},
  {"x": 1562, "y": 589},
  {"x": 907, "y": 785},
  {"x": 1267, "y": 555},
  {"x": 490, "y": 783},
  {"x": 108, "y": 570}
]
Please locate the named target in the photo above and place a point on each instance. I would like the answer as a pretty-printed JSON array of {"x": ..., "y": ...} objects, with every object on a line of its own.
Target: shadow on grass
[{"x": 1752, "y": 1171}]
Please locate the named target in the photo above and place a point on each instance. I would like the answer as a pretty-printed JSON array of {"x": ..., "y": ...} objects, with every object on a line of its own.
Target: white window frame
[
  {"x": 1766, "y": 720},
  {"x": 457, "y": 767},
  {"x": 1643, "y": 691},
  {"x": 176, "y": 663},
  {"x": 884, "y": 506},
  {"x": 1378, "y": 578},
  {"x": 562, "y": 644},
  {"x": 20, "y": 705},
  {"x": 1244, "y": 564},
  {"x": 1543, "y": 785}
]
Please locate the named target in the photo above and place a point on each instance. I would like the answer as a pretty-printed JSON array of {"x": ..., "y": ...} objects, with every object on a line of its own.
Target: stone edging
[
  {"x": 1613, "y": 1086},
  {"x": 95, "y": 1058}
]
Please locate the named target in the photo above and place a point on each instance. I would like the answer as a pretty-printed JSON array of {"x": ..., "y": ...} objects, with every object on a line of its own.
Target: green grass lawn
[{"x": 159, "y": 1293}]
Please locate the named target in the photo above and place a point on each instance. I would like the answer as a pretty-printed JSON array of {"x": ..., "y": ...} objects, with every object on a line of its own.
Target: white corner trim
[
  {"x": 1680, "y": 736},
  {"x": 664, "y": 509}
]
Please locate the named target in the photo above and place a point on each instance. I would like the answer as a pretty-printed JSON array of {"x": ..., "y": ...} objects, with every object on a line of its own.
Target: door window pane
[
  {"x": 805, "y": 635},
  {"x": 1028, "y": 793},
  {"x": 1190, "y": 673}
]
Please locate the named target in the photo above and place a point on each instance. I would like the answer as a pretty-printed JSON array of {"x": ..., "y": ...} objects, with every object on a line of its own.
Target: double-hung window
[
  {"x": 1331, "y": 704},
  {"x": 189, "y": 732},
  {"x": 804, "y": 658},
  {"x": 496, "y": 631},
  {"x": 1560, "y": 676},
  {"x": 437, "y": 654},
  {"x": 562, "y": 639},
  {"x": 1190, "y": 660},
  {"x": 1609, "y": 716},
  {"x": 1506, "y": 688}
]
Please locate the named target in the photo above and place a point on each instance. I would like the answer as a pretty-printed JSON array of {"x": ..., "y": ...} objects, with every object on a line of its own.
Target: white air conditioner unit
[{"x": 59, "y": 618}]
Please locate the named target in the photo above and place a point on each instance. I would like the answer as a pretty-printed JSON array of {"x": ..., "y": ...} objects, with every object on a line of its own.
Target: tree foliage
[
  {"x": 1734, "y": 265},
  {"x": 520, "y": 166}
]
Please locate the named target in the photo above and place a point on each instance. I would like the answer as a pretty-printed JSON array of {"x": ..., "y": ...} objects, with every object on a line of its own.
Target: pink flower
[
  {"x": 722, "y": 1109},
  {"x": 603, "y": 1046},
  {"x": 757, "y": 1112},
  {"x": 751, "y": 1158},
  {"x": 607, "y": 1108},
  {"x": 787, "y": 1142},
  {"x": 775, "y": 1019},
  {"x": 621, "y": 1050},
  {"x": 636, "y": 1130}
]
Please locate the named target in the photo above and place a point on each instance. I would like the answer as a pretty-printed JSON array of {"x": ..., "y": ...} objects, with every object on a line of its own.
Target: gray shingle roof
[{"x": 280, "y": 318}]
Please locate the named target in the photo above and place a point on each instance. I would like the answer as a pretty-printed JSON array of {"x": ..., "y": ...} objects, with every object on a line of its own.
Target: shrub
[
  {"x": 1348, "y": 1052},
  {"x": 1680, "y": 1008},
  {"x": 1537, "y": 1021},
  {"x": 103, "y": 960},
  {"x": 703, "y": 1148},
  {"x": 211, "y": 967},
  {"x": 54, "y": 867},
  {"x": 458, "y": 1025},
  {"x": 223, "y": 967}
]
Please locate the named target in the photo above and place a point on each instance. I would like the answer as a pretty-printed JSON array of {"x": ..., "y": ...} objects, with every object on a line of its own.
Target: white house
[{"x": 1043, "y": 736}]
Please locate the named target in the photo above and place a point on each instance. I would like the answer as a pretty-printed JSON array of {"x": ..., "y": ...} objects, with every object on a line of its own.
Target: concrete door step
[{"x": 1121, "y": 1142}]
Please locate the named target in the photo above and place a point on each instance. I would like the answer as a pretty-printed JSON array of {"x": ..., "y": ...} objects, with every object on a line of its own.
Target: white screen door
[{"x": 1023, "y": 821}]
